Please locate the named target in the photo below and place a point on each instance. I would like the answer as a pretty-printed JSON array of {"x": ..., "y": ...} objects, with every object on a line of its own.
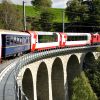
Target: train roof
[
  {"x": 46, "y": 33},
  {"x": 13, "y": 32}
]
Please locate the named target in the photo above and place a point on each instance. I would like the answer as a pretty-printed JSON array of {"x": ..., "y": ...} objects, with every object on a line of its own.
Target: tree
[
  {"x": 10, "y": 16},
  {"x": 45, "y": 17},
  {"x": 76, "y": 11},
  {"x": 41, "y": 3},
  {"x": 84, "y": 11},
  {"x": 82, "y": 89},
  {"x": 92, "y": 71},
  {"x": 46, "y": 21},
  {"x": 35, "y": 24},
  {"x": 94, "y": 11}
]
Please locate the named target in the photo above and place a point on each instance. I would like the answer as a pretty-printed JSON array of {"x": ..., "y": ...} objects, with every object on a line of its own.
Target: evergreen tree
[
  {"x": 76, "y": 11},
  {"x": 94, "y": 11},
  {"x": 41, "y": 3},
  {"x": 46, "y": 21},
  {"x": 88, "y": 11}
]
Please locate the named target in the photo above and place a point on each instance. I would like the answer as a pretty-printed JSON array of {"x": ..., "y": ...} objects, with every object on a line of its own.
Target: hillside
[{"x": 31, "y": 12}]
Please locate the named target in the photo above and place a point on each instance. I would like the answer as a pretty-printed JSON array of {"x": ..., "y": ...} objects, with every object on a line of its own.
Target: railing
[{"x": 32, "y": 57}]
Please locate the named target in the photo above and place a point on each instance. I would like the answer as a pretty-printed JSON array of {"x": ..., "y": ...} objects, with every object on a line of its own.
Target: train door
[
  {"x": 63, "y": 39},
  {"x": 33, "y": 39}
]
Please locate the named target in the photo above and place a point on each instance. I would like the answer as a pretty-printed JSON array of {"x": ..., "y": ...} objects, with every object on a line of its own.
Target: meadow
[{"x": 33, "y": 12}]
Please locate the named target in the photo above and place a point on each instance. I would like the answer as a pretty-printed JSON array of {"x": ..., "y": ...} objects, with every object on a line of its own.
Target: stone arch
[
  {"x": 42, "y": 82},
  {"x": 88, "y": 60},
  {"x": 73, "y": 70},
  {"x": 57, "y": 78},
  {"x": 27, "y": 84}
]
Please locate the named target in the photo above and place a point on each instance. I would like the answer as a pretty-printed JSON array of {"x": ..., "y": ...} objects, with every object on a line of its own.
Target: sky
[
  {"x": 56, "y": 3},
  {"x": 59, "y": 3}
]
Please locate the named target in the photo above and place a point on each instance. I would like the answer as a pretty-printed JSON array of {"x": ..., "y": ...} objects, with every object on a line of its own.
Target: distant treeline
[{"x": 77, "y": 27}]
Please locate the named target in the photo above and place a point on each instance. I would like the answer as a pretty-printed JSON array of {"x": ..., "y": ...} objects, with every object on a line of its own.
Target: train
[{"x": 15, "y": 43}]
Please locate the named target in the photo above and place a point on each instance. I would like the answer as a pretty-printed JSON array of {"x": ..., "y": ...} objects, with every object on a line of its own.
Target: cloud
[
  {"x": 28, "y": 2},
  {"x": 59, "y": 3}
]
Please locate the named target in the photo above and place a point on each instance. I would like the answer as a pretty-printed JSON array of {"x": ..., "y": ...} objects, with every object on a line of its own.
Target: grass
[{"x": 32, "y": 12}]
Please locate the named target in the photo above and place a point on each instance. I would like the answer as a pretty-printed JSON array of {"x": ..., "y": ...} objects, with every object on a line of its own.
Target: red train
[{"x": 14, "y": 43}]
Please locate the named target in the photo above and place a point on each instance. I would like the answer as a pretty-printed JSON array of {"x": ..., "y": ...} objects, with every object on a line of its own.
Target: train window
[
  {"x": 23, "y": 40},
  {"x": 55, "y": 37},
  {"x": 11, "y": 40},
  {"x": 47, "y": 38},
  {"x": 7, "y": 40},
  {"x": 76, "y": 38},
  {"x": 94, "y": 36},
  {"x": 85, "y": 37},
  {"x": 20, "y": 40},
  {"x": 14, "y": 39}
]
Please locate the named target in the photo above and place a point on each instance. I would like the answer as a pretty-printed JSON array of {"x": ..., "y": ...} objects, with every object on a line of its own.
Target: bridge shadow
[
  {"x": 27, "y": 84},
  {"x": 73, "y": 70},
  {"x": 42, "y": 83},
  {"x": 57, "y": 80}
]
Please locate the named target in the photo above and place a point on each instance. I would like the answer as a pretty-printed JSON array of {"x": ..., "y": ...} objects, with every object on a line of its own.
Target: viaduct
[{"x": 50, "y": 78}]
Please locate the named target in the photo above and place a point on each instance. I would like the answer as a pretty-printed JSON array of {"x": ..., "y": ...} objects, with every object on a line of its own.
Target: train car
[
  {"x": 44, "y": 40},
  {"x": 13, "y": 43},
  {"x": 78, "y": 39},
  {"x": 47, "y": 40},
  {"x": 95, "y": 38}
]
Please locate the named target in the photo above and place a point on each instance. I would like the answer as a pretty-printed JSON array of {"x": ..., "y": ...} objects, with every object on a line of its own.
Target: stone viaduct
[{"x": 50, "y": 78}]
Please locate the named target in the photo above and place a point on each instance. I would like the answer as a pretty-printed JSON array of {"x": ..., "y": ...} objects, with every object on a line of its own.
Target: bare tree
[{"x": 10, "y": 16}]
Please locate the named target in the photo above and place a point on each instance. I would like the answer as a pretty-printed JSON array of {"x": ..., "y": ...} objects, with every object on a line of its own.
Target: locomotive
[{"x": 14, "y": 43}]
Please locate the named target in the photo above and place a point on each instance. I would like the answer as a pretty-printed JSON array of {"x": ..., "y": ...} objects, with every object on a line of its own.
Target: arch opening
[
  {"x": 73, "y": 70},
  {"x": 57, "y": 77},
  {"x": 42, "y": 83},
  {"x": 27, "y": 84},
  {"x": 89, "y": 61}
]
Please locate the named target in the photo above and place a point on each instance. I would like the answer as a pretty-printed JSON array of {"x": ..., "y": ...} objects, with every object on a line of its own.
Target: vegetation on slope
[
  {"x": 33, "y": 12},
  {"x": 82, "y": 89}
]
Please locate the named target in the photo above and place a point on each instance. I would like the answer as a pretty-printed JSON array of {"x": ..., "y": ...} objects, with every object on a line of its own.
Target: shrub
[{"x": 82, "y": 89}]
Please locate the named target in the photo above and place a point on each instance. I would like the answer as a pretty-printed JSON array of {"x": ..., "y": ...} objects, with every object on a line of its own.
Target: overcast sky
[
  {"x": 56, "y": 3},
  {"x": 59, "y": 3}
]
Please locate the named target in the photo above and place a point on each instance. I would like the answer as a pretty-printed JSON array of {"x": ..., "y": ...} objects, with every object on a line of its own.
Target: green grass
[
  {"x": 58, "y": 13},
  {"x": 32, "y": 12}
]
